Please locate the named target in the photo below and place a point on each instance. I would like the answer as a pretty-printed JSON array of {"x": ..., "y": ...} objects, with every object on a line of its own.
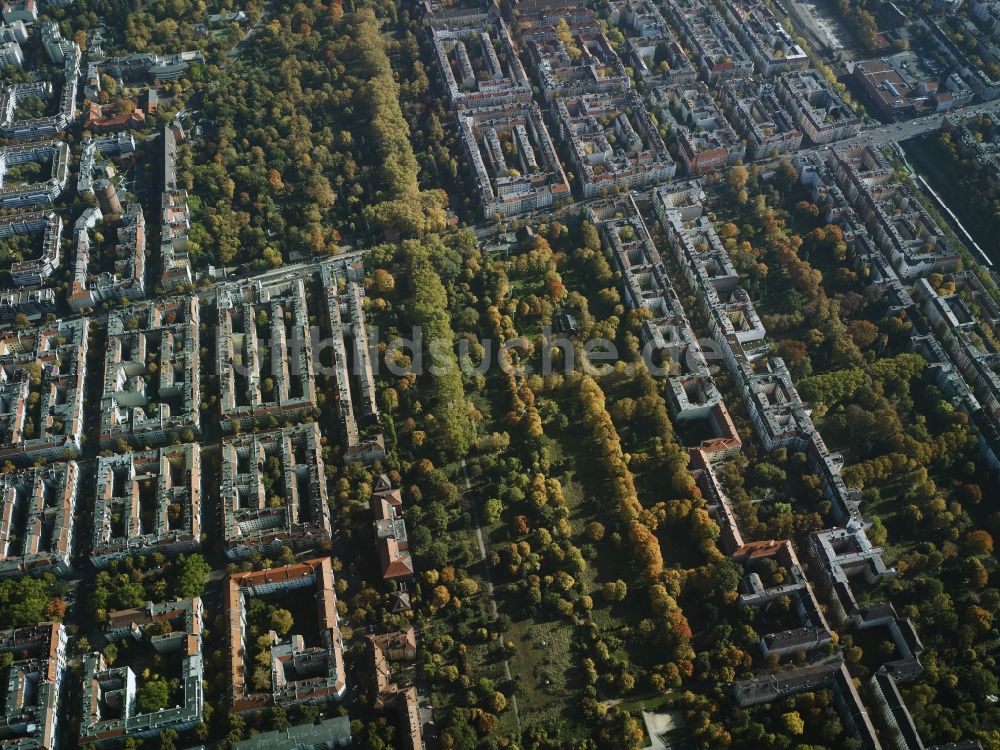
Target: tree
[
  {"x": 492, "y": 509},
  {"x": 793, "y": 723},
  {"x": 615, "y": 591},
  {"x": 979, "y": 543},
  {"x": 153, "y": 694},
  {"x": 193, "y": 576},
  {"x": 281, "y": 621}
]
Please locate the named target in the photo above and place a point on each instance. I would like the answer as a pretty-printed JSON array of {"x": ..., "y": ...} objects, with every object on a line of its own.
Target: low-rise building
[
  {"x": 299, "y": 673},
  {"x": 900, "y": 87},
  {"x": 147, "y": 501},
  {"x": 757, "y": 114},
  {"x": 34, "y": 680},
  {"x": 36, "y": 519},
  {"x": 264, "y": 354},
  {"x": 25, "y": 11},
  {"x": 512, "y": 159},
  {"x": 111, "y": 713},
  {"x": 819, "y": 109},
  {"x": 613, "y": 142},
  {"x": 273, "y": 491},
  {"x": 151, "y": 373},
  {"x": 41, "y": 395},
  {"x": 390, "y": 531}
]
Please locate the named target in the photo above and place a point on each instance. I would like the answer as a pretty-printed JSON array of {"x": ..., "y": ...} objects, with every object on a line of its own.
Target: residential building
[
  {"x": 33, "y": 705},
  {"x": 717, "y": 52},
  {"x": 479, "y": 63},
  {"x": 532, "y": 179},
  {"x": 175, "y": 217},
  {"x": 386, "y": 693},
  {"x": 588, "y": 65},
  {"x": 51, "y": 125},
  {"x": 56, "y": 46},
  {"x": 36, "y": 519},
  {"x": 127, "y": 277},
  {"x": 352, "y": 374},
  {"x": 818, "y": 108},
  {"x": 111, "y": 713},
  {"x": 33, "y": 194},
  {"x": 264, "y": 352},
  {"x": 299, "y": 673},
  {"x": 327, "y": 734},
  {"x": 36, "y": 271},
  {"x": 25, "y": 11},
  {"x": 273, "y": 491},
  {"x": 49, "y": 362},
  {"x": 705, "y": 139},
  {"x": 899, "y": 224},
  {"x": 151, "y": 390},
  {"x": 591, "y": 123},
  {"x": 31, "y": 303},
  {"x": 147, "y": 501},
  {"x": 753, "y": 107},
  {"x": 772, "y": 49}
]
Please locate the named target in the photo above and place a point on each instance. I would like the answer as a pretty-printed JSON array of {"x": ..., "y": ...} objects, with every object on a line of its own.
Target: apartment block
[
  {"x": 42, "y": 127},
  {"x": 772, "y": 49},
  {"x": 110, "y": 711},
  {"x": 705, "y": 139},
  {"x": 818, "y": 108},
  {"x": 591, "y": 123},
  {"x": 391, "y": 541},
  {"x": 147, "y": 501},
  {"x": 273, "y": 491},
  {"x": 151, "y": 373},
  {"x": 33, "y": 194},
  {"x": 264, "y": 352},
  {"x": 56, "y": 46},
  {"x": 810, "y": 629},
  {"x": 127, "y": 277},
  {"x": 49, "y": 224},
  {"x": 479, "y": 63},
  {"x": 902, "y": 228},
  {"x": 36, "y": 519},
  {"x": 387, "y": 693},
  {"x": 41, "y": 394},
  {"x": 717, "y": 52},
  {"x": 175, "y": 221},
  {"x": 513, "y": 162},
  {"x": 96, "y": 167},
  {"x": 753, "y": 107},
  {"x": 32, "y": 303},
  {"x": 651, "y": 49},
  {"x": 669, "y": 342},
  {"x": 966, "y": 320},
  {"x": 305, "y": 668},
  {"x": 587, "y": 65},
  {"x": 33, "y": 708},
  {"x": 349, "y": 356}
]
